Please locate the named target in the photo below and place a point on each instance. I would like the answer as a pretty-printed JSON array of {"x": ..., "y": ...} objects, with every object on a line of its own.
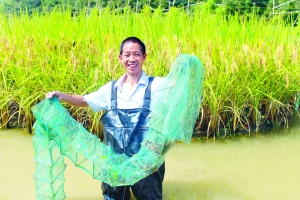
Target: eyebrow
[{"x": 133, "y": 52}]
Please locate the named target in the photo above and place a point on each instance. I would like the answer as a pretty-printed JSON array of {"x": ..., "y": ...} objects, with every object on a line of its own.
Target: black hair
[{"x": 135, "y": 40}]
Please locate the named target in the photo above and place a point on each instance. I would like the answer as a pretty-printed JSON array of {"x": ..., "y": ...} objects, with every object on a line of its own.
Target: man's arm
[{"x": 74, "y": 100}]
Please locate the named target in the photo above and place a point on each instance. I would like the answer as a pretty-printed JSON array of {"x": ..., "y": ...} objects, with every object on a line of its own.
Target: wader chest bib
[{"x": 125, "y": 129}]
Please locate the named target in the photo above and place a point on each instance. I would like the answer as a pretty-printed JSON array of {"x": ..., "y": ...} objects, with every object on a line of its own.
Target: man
[{"x": 128, "y": 105}]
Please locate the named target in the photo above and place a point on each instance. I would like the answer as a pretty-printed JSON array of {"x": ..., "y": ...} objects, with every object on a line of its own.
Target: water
[{"x": 261, "y": 167}]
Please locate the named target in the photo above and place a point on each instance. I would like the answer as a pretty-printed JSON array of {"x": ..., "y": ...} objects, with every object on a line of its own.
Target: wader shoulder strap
[
  {"x": 114, "y": 97},
  {"x": 147, "y": 98}
]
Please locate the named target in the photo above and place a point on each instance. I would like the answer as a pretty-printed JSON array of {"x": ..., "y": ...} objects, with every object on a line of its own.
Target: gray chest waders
[{"x": 125, "y": 129}]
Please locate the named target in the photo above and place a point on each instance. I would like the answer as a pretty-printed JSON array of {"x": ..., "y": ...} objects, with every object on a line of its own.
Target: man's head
[
  {"x": 132, "y": 55},
  {"x": 134, "y": 40}
]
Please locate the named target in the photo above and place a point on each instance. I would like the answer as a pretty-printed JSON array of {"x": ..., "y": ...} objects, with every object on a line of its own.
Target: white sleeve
[
  {"x": 100, "y": 99},
  {"x": 156, "y": 83},
  {"x": 155, "y": 94}
]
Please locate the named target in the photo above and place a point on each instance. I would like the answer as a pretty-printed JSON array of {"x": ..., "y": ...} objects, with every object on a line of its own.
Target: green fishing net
[{"x": 176, "y": 106}]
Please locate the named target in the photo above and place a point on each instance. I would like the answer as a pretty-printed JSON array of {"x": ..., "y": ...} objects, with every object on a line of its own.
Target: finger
[{"x": 49, "y": 95}]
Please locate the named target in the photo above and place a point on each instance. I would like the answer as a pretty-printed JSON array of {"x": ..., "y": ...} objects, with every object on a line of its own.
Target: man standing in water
[{"x": 128, "y": 105}]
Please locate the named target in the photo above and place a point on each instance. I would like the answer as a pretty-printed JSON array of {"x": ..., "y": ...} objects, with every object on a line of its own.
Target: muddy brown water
[{"x": 260, "y": 167}]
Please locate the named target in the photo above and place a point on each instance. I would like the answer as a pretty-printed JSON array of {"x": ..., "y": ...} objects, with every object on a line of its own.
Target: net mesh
[{"x": 176, "y": 106}]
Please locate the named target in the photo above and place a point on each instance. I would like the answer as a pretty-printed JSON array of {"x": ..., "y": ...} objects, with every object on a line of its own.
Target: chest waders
[{"x": 124, "y": 130}]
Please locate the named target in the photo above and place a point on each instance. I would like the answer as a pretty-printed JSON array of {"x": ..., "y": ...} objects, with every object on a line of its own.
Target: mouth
[{"x": 132, "y": 66}]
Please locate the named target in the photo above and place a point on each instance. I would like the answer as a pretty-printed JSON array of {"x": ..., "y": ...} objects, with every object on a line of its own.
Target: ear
[
  {"x": 120, "y": 57},
  {"x": 145, "y": 55}
]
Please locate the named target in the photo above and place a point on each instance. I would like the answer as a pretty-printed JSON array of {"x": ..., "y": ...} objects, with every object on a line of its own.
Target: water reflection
[{"x": 260, "y": 167}]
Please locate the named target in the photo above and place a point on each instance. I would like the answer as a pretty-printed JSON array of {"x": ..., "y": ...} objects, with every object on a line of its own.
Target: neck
[{"x": 132, "y": 80}]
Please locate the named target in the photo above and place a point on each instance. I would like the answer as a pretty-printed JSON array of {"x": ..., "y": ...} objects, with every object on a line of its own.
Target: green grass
[{"x": 252, "y": 64}]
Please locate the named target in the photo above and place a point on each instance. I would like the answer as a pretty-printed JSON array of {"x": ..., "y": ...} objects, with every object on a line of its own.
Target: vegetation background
[
  {"x": 249, "y": 50},
  {"x": 261, "y": 7}
]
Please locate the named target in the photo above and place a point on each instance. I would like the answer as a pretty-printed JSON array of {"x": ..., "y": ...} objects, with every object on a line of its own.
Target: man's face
[{"x": 132, "y": 58}]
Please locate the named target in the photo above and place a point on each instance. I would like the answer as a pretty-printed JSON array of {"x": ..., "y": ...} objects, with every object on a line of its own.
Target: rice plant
[{"x": 252, "y": 64}]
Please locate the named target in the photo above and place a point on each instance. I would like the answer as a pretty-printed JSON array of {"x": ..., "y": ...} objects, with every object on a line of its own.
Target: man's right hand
[{"x": 74, "y": 100}]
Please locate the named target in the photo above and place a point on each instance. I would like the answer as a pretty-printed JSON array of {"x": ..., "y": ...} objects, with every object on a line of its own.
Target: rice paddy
[{"x": 252, "y": 70}]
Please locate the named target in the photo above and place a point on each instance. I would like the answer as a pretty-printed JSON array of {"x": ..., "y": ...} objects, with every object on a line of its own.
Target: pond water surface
[{"x": 260, "y": 167}]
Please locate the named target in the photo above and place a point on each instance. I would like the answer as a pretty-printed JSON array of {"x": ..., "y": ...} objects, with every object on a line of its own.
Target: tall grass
[{"x": 252, "y": 65}]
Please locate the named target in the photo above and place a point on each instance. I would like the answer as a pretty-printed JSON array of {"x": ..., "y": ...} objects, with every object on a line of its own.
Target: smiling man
[{"x": 127, "y": 102}]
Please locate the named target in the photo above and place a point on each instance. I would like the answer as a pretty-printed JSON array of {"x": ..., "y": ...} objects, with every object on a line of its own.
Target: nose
[{"x": 131, "y": 57}]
